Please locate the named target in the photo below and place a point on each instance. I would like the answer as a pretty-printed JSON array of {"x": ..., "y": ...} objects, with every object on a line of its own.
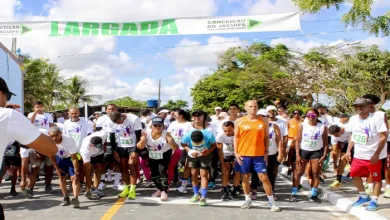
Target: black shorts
[
  {"x": 144, "y": 154},
  {"x": 99, "y": 159},
  {"x": 310, "y": 155},
  {"x": 200, "y": 162},
  {"x": 183, "y": 157},
  {"x": 109, "y": 158},
  {"x": 125, "y": 152},
  {"x": 228, "y": 159},
  {"x": 15, "y": 161}
]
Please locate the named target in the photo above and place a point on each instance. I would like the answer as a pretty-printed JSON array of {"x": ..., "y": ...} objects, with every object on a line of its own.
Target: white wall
[{"x": 11, "y": 73}]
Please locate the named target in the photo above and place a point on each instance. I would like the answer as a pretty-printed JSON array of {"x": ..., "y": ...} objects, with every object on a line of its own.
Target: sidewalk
[{"x": 343, "y": 197}]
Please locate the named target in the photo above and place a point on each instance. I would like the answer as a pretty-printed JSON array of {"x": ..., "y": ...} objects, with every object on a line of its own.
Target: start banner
[{"x": 179, "y": 26}]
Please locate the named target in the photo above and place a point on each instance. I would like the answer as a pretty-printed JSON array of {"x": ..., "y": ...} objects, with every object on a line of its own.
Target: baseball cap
[
  {"x": 98, "y": 138},
  {"x": 197, "y": 112},
  {"x": 360, "y": 101},
  {"x": 262, "y": 112},
  {"x": 271, "y": 107},
  {"x": 217, "y": 108},
  {"x": 4, "y": 88},
  {"x": 197, "y": 136},
  {"x": 318, "y": 105},
  {"x": 157, "y": 121},
  {"x": 163, "y": 111},
  {"x": 344, "y": 116}
]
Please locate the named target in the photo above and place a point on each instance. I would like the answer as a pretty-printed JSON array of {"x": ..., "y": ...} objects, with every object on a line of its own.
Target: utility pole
[
  {"x": 159, "y": 93},
  {"x": 13, "y": 48}
]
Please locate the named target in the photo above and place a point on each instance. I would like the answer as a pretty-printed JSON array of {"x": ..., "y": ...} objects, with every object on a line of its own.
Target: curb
[{"x": 344, "y": 204}]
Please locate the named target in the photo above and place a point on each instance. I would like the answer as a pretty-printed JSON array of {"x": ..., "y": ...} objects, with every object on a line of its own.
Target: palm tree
[{"x": 76, "y": 92}]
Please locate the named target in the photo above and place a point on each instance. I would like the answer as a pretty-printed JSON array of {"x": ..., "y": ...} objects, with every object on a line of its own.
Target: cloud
[
  {"x": 379, "y": 4},
  {"x": 148, "y": 88},
  {"x": 276, "y": 7},
  {"x": 295, "y": 44},
  {"x": 8, "y": 9}
]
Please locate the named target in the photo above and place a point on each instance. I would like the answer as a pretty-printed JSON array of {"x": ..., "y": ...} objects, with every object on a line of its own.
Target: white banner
[{"x": 180, "y": 26}]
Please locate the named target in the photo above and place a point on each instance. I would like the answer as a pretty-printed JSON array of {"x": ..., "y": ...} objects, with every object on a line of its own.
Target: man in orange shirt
[{"x": 251, "y": 139}]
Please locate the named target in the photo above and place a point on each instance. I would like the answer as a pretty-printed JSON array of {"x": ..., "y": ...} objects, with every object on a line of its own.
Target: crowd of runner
[{"x": 244, "y": 146}]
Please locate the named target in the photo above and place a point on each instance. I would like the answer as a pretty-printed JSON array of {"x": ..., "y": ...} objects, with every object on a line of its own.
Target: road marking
[{"x": 114, "y": 209}]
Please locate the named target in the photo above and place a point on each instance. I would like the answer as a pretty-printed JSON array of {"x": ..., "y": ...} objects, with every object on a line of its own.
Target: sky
[{"x": 132, "y": 66}]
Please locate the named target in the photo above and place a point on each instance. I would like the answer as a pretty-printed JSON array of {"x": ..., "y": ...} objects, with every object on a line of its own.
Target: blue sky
[{"x": 132, "y": 65}]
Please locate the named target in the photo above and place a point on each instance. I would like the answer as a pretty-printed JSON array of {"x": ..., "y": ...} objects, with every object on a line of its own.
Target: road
[{"x": 46, "y": 206}]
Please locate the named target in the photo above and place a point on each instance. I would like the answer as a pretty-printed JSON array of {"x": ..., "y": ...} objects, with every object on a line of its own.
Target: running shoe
[
  {"x": 335, "y": 185},
  {"x": 131, "y": 195},
  {"x": 202, "y": 202},
  {"x": 124, "y": 193},
  {"x": 194, "y": 198},
  {"x": 75, "y": 202},
  {"x": 293, "y": 198},
  {"x": 274, "y": 207},
  {"x": 115, "y": 186},
  {"x": 48, "y": 189},
  {"x": 361, "y": 201},
  {"x": 148, "y": 184},
  {"x": 164, "y": 196},
  {"x": 157, "y": 193},
  {"x": 372, "y": 206},
  {"x": 225, "y": 196},
  {"x": 27, "y": 193},
  {"x": 387, "y": 194},
  {"x": 66, "y": 201},
  {"x": 182, "y": 189},
  {"x": 88, "y": 195},
  {"x": 13, "y": 192},
  {"x": 234, "y": 196},
  {"x": 254, "y": 195},
  {"x": 344, "y": 179},
  {"x": 211, "y": 185},
  {"x": 98, "y": 193},
  {"x": 247, "y": 204},
  {"x": 315, "y": 199},
  {"x": 319, "y": 191},
  {"x": 101, "y": 186},
  {"x": 121, "y": 187}
]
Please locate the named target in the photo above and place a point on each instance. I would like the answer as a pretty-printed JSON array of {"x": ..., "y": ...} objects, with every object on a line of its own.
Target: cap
[
  {"x": 318, "y": 105},
  {"x": 157, "y": 120},
  {"x": 217, "y": 108},
  {"x": 98, "y": 138},
  {"x": 197, "y": 112},
  {"x": 344, "y": 116},
  {"x": 102, "y": 134},
  {"x": 262, "y": 112},
  {"x": 360, "y": 101},
  {"x": 271, "y": 107},
  {"x": 223, "y": 115},
  {"x": 163, "y": 111},
  {"x": 4, "y": 87},
  {"x": 197, "y": 136}
]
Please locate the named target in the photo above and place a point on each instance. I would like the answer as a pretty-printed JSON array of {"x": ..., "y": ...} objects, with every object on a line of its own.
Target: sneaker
[
  {"x": 148, "y": 184},
  {"x": 211, "y": 185},
  {"x": 66, "y": 201},
  {"x": 101, "y": 186},
  {"x": 203, "y": 202},
  {"x": 124, "y": 193},
  {"x": 88, "y": 195},
  {"x": 372, "y": 206},
  {"x": 254, "y": 195},
  {"x": 234, "y": 196},
  {"x": 225, "y": 197},
  {"x": 194, "y": 199},
  {"x": 27, "y": 193},
  {"x": 335, "y": 185},
  {"x": 115, "y": 186},
  {"x": 75, "y": 202},
  {"x": 274, "y": 207},
  {"x": 369, "y": 190},
  {"x": 361, "y": 201},
  {"x": 164, "y": 196},
  {"x": 121, "y": 187},
  {"x": 182, "y": 189},
  {"x": 315, "y": 199},
  {"x": 387, "y": 194},
  {"x": 293, "y": 198},
  {"x": 98, "y": 193},
  {"x": 157, "y": 193},
  {"x": 13, "y": 192},
  {"x": 319, "y": 191},
  {"x": 344, "y": 179},
  {"x": 247, "y": 205},
  {"x": 48, "y": 189},
  {"x": 131, "y": 195}
]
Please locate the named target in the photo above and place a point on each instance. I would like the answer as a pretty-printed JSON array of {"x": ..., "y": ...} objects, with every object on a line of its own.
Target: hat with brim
[
  {"x": 157, "y": 121},
  {"x": 4, "y": 87},
  {"x": 271, "y": 108},
  {"x": 197, "y": 112},
  {"x": 165, "y": 111}
]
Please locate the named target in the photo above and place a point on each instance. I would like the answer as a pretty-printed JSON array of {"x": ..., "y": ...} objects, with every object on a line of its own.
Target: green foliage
[
  {"x": 176, "y": 104},
  {"x": 359, "y": 14},
  {"x": 128, "y": 102},
  {"x": 303, "y": 108},
  {"x": 76, "y": 91}
]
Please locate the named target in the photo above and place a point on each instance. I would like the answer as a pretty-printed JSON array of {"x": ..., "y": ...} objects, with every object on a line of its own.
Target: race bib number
[
  {"x": 75, "y": 136},
  {"x": 127, "y": 141},
  {"x": 270, "y": 142},
  {"x": 359, "y": 138},
  {"x": 230, "y": 148},
  {"x": 310, "y": 143},
  {"x": 155, "y": 155},
  {"x": 200, "y": 149}
]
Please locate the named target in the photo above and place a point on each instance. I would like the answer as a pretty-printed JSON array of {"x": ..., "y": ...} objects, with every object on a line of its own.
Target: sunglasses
[
  {"x": 296, "y": 113},
  {"x": 311, "y": 115}
]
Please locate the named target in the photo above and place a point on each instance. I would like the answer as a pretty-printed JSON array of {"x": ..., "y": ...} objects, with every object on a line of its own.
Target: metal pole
[
  {"x": 159, "y": 93},
  {"x": 13, "y": 48}
]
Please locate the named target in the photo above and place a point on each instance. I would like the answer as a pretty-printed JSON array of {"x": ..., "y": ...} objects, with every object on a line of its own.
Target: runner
[
  {"x": 12, "y": 163},
  {"x": 293, "y": 126},
  {"x": 128, "y": 131},
  {"x": 311, "y": 140},
  {"x": 251, "y": 151},
  {"x": 159, "y": 144},
  {"x": 78, "y": 130},
  {"x": 368, "y": 140},
  {"x": 214, "y": 118},
  {"x": 43, "y": 121},
  {"x": 199, "y": 145},
  {"x": 340, "y": 145},
  {"x": 92, "y": 151},
  {"x": 66, "y": 162}
]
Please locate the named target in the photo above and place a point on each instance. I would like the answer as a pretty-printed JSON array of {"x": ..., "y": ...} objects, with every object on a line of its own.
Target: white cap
[
  {"x": 223, "y": 115},
  {"x": 262, "y": 112},
  {"x": 217, "y": 108},
  {"x": 163, "y": 111},
  {"x": 271, "y": 107}
]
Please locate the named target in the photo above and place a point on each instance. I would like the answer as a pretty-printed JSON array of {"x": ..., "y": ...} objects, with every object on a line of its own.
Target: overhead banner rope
[{"x": 179, "y": 26}]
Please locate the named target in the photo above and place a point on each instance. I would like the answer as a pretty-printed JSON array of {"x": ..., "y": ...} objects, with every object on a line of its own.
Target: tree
[
  {"x": 359, "y": 14},
  {"x": 76, "y": 92},
  {"x": 128, "y": 102},
  {"x": 176, "y": 104}
]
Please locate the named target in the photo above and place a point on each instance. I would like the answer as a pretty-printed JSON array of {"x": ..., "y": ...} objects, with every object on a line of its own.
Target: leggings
[
  {"x": 214, "y": 166},
  {"x": 144, "y": 161},
  {"x": 172, "y": 168},
  {"x": 159, "y": 170},
  {"x": 272, "y": 163}
]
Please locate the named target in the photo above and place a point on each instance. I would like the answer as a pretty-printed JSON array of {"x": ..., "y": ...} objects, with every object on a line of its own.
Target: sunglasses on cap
[{"x": 311, "y": 115}]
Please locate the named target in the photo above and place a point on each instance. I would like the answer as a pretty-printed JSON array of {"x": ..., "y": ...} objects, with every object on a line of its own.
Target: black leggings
[
  {"x": 272, "y": 163},
  {"x": 214, "y": 166},
  {"x": 158, "y": 169}
]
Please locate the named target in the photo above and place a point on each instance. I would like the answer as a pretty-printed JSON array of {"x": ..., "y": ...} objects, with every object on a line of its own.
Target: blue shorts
[
  {"x": 65, "y": 165},
  {"x": 256, "y": 164},
  {"x": 237, "y": 167}
]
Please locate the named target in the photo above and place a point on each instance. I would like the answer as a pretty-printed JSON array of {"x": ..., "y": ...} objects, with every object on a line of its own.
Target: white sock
[
  {"x": 387, "y": 186},
  {"x": 375, "y": 198},
  {"x": 102, "y": 177},
  {"x": 271, "y": 199},
  {"x": 117, "y": 178},
  {"x": 109, "y": 173},
  {"x": 248, "y": 198},
  {"x": 371, "y": 185},
  {"x": 363, "y": 195}
]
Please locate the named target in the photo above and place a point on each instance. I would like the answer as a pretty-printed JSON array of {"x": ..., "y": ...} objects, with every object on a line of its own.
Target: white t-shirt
[
  {"x": 42, "y": 121},
  {"x": 67, "y": 147},
  {"x": 344, "y": 137},
  {"x": 87, "y": 151},
  {"x": 365, "y": 135},
  {"x": 227, "y": 143},
  {"x": 159, "y": 144},
  {"x": 125, "y": 132},
  {"x": 77, "y": 130},
  {"x": 312, "y": 137},
  {"x": 282, "y": 126},
  {"x": 14, "y": 126},
  {"x": 273, "y": 147},
  {"x": 105, "y": 123},
  {"x": 212, "y": 128},
  {"x": 214, "y": 119},
  {"x": 178, "y": 130}
]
